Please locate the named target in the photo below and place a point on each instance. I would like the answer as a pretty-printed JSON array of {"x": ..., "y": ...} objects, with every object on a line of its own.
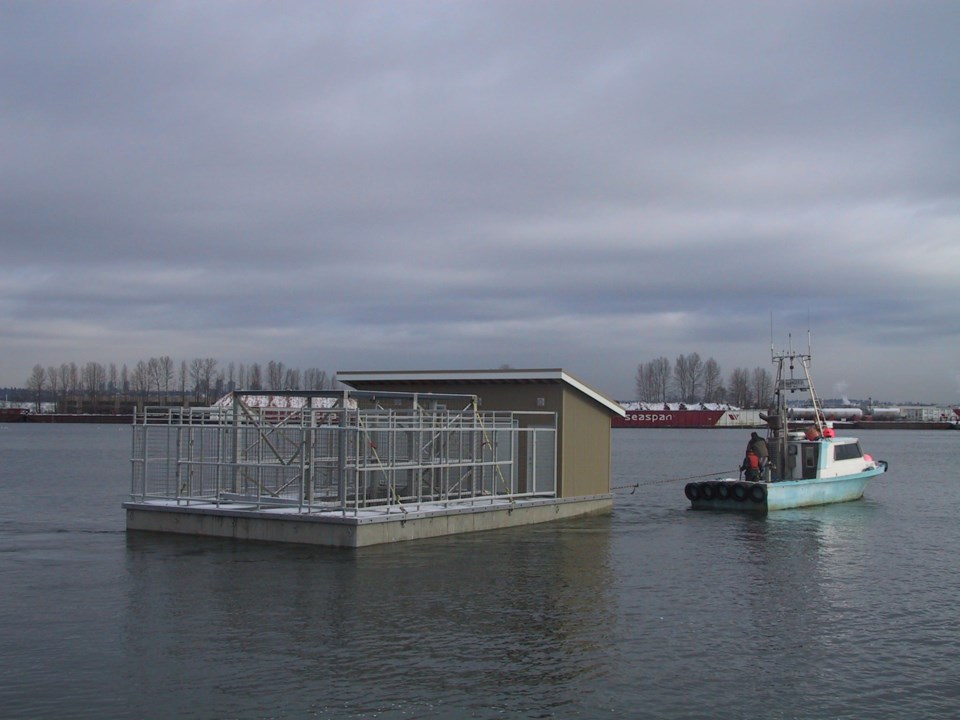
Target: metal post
[
  {"x": 418, "y": 447},
  {"x": 554, "y": 458},
  {"x": 179, "y": 453},
  {"x": 235, "y": 455},
  {"x": 306, "y": 459},
  {"x": 342, "y": 458},
  {"x": 357, "y": 443}
]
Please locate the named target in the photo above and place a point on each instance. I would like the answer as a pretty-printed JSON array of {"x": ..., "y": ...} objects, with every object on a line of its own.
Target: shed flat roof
[{"x": 481, "y": 376}]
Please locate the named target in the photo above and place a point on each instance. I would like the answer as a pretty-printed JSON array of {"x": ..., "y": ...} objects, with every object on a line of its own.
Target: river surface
[{"x": 658, "y": 611}]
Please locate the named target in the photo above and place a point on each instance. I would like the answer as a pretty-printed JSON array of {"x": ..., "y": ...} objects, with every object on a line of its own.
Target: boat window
[{"x": 847, "y": 451}]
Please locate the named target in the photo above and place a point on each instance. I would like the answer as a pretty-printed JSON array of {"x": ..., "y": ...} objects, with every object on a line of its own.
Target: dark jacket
[{"x": 759, "y": 446}]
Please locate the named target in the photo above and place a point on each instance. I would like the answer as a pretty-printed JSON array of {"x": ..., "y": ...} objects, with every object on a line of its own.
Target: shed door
[{"x": 541, "y": 468}]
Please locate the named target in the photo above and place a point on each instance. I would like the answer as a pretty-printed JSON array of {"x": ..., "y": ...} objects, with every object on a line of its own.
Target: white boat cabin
[{"x": 826, "y": 457}]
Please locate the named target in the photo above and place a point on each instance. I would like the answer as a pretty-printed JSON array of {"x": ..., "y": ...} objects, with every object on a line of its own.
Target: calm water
[{"x": 847, "y": 611}]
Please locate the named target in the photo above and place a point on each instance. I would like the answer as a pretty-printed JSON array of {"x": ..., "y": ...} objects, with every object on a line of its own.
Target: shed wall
[{"x": 586, "y": 447}]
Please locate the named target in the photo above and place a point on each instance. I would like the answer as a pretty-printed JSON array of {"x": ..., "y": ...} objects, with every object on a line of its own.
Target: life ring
[
  {"x": 740, "y": 491},
  {"x": 709, "y": 490},
  {"x": 723, "y": 491},
  {"x": 692, "y": 491},
  {"x": 758, "y": 493}
]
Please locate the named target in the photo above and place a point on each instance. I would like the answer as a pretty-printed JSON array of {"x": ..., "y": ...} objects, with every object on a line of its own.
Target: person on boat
[
  {"x": 751, "y": 467},
  {"x": 759, "y": 446}
]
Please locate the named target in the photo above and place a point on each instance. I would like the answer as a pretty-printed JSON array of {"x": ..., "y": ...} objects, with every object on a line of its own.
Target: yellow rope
[
  {"x": 674, "y": 479},
  {"x": 376, "y": 456},
  {"x": 487, "y": 441}
]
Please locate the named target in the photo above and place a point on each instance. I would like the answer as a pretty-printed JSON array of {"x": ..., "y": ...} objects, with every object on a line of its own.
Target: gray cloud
[{"x": 469, "y": 184}]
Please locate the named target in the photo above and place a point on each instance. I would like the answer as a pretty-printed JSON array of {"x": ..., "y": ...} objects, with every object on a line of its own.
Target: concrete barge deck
[{"x": 369, "y": 526}]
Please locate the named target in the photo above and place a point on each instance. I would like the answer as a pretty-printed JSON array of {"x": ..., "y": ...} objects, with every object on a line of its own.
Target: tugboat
[{"x": 805, "y": 465}]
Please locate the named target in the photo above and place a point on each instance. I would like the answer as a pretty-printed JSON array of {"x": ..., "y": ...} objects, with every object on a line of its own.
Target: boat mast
[
  {"x": 819, "y": 419},
  {"x": 777, "y": 426}
]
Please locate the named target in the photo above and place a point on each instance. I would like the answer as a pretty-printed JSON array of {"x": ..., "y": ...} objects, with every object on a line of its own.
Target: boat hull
[{"x": 783, "y": 495}]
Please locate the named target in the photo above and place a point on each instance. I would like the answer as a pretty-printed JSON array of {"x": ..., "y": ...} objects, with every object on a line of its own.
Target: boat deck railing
[{"x": 343, "y": 456}]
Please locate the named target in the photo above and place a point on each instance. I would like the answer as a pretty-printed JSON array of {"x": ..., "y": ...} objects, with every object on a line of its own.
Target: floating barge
[{"x": 367, "y": 466}]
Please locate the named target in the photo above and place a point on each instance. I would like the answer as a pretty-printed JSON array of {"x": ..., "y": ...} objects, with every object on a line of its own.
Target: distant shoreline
[
  {"x": 125, "y": 418},
  {"x": 56, "y": 418}
]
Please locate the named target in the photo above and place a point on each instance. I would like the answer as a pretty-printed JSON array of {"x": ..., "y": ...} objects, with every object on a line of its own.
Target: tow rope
[{"x": 645, "y": 483}]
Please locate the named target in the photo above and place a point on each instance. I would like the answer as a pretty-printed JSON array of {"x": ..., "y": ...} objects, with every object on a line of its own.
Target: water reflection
[
  {"x": 806, "y": 586},
  {"x": 523, "y": 616}
]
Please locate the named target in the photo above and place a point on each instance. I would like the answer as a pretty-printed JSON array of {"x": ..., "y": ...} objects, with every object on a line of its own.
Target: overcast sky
[{"x": 423, "y": 185}]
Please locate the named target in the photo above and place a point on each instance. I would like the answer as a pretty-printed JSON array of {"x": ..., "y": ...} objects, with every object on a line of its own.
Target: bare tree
[
  {"x": 64, "y": 375},
  {"x": 219, "y": 384},
  {"x": 196, "y": 378},
  {"x": 53, "y": 380},
  {"x": 314, "y": 379},
  {"x": 762, "y": 386},
  {"x": 713, "y": 390},
  {"x": 681, "y": 377},
  {"x": 75, "y": 386},
  {"x": 653, "y": 380},
  {"x": 688, "y": 377},
  {"x": 660, "y": 378},
  {"x": 738, "y": 391},
  {"x": 275, "y": 375},
  {"x": 164, "y": 376},
  {"x": 256, "y": 377},
  {"x": 184, "y": 376},
  {"x": 642, "y": 383},
  {"x": 153, "y": 380},
  {"x": 141, "y": 383},
  {"x": 208, "y": 375},
  {"x": 112, "y": 386},
  {"x": 95, "y": 382},
  {"x": 153, "y": 369},
  {"x": 36, "y": 383},
  {"x": 695, "y": 376},
  {"x": 291, "y": 379}
]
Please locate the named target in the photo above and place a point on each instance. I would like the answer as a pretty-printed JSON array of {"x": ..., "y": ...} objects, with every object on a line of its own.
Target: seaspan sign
[{"x": 669, "y": 418}]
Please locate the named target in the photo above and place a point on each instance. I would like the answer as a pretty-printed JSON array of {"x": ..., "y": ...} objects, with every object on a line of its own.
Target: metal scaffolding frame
[{"x": 344, "y": 451}]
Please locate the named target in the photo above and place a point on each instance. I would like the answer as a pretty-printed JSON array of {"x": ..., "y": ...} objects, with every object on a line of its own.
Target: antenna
[{"x": 772, "y": 353}]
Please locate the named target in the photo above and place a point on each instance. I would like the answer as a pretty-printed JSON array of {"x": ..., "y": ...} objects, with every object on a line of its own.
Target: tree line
[
  {"x": 95, "y": 387},
  {"x": 690, "y": 379}
]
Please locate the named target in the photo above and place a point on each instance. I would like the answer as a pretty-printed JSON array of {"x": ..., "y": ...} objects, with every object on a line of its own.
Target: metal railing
[{"x": 341, "y": 452}]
